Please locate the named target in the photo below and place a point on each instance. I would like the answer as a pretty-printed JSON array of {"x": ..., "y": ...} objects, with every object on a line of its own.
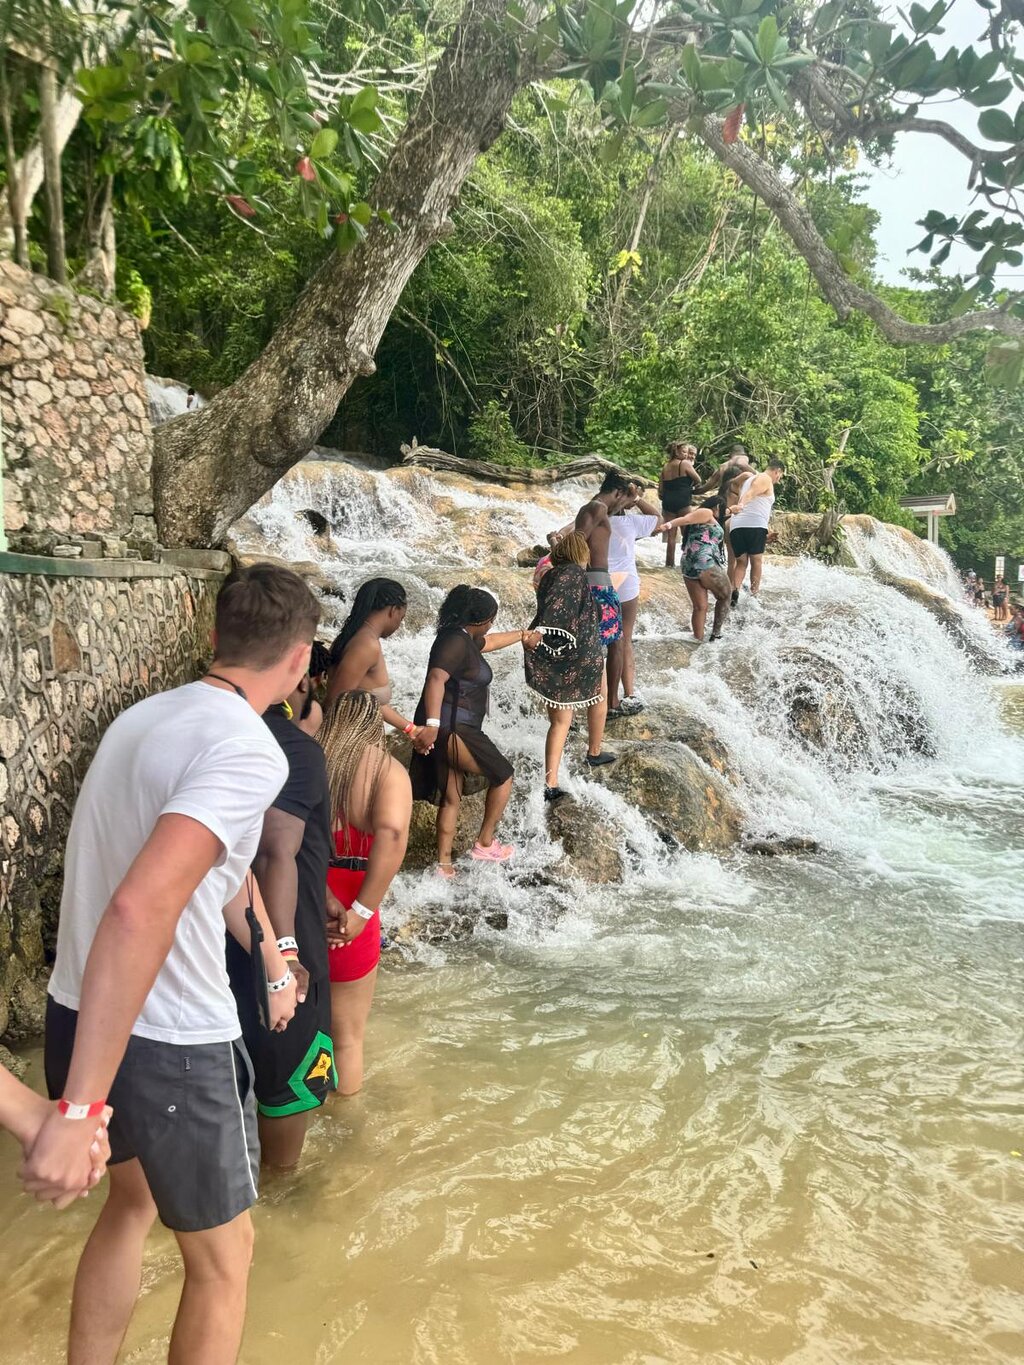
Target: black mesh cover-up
[{"x": 462, "y": 713}]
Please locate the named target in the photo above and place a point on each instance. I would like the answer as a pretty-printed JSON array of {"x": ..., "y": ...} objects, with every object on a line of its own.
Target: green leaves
[
  {"x": 997, "y": 126},
  {"x": 323, "y": 144}
]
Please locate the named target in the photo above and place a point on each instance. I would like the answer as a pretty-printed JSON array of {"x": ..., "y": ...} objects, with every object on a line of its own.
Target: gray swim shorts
[{"x": 187, "y": 1113}]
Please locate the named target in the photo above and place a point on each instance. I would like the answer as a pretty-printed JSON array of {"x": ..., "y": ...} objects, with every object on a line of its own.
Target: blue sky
[{"x": 926, "y": 172}]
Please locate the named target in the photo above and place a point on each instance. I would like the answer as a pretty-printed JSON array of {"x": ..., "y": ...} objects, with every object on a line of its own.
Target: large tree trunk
[
  {"x": 56, "y": 257},
  {"x": 210, "y": 466}
]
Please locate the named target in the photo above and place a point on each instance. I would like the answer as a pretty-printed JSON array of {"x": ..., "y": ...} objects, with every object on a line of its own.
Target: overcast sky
[{"x": 926, "y": 172}]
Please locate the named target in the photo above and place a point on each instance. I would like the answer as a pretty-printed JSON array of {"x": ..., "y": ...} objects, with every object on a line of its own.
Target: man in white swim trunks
[{"x": 631, "y": 523}]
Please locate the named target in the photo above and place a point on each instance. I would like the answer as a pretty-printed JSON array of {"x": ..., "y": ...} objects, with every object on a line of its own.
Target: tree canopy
[{"x": 667, "y": 236}]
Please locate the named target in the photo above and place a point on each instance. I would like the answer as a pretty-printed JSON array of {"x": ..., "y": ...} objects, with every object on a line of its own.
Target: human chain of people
[{"x": 231, "y": 847}]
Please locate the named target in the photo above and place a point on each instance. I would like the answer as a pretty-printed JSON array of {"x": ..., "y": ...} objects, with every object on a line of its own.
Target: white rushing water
[
  {"x": 740, "y": 1110},
  {"x": 905, "y": 712}
]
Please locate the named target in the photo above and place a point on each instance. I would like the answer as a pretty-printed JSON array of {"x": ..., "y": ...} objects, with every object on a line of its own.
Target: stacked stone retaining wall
[
  {"x": 81, "y": 640},
  {"x": 77, "y": 440}
]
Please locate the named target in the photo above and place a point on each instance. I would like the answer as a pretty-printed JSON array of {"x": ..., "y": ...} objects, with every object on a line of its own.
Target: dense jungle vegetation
[{"x": 596, "y": 292}]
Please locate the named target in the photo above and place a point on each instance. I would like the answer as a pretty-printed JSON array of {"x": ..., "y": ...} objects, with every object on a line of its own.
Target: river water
[{"x": 748, "y": 1111}]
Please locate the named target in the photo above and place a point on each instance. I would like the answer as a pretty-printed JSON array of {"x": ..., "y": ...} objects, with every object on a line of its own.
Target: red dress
[{"x": 352, "y": 961}]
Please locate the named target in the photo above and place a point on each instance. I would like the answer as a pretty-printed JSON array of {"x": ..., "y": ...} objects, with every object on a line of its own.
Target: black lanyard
[{"x": 219, "y": 678}]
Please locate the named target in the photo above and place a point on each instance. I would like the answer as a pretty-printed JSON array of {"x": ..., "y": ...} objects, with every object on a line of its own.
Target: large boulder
[
  {"x": 679, "y": 726},
  {"x": 685, "y": 800},
  {"x": 591, "y": 844}
]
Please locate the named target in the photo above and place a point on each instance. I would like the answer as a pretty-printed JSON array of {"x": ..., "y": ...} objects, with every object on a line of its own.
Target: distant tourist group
[{"x": 231, "y": 846}]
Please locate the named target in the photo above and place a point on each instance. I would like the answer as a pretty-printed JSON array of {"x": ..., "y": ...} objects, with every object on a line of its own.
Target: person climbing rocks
[
  {"x": 703, "y": 565},
  {"x": 566, "y": 670},
  {"x": 357, "y": 655},
  {"x": 748, "y": 529},
  {"x": 592, "y": 522},
  {"x": 450, "y": 744},
  {"x": 676, "y": 483},
  {"x": 633, "y": 522}
]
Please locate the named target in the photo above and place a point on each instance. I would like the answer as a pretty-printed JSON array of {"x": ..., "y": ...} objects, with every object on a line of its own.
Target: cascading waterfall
[{"x": 827, "y": 691}]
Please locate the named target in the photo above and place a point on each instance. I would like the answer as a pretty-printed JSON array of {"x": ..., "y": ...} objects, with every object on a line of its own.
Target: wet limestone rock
[
  {"x": 676, "y": 724},
  {"x": 590, "y": 842},
  {"x": 686, "y": 801}
]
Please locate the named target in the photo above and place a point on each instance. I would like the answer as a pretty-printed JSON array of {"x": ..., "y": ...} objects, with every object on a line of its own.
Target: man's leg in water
[
  {"x": 211, "y": 1314},
  {"x": 739, "y": 571},
  {"x": 596, "y": 717},
  {"x": 616, "y": 658},
  {"x": 110, "y": 1271},
  {"x": 756, "y": 561},
  {"x": 282, "y": 1139},
  {"x": 629, "y": 614},
  {"x": 350, "y": 1010},
  {"x": 699, "y": 599}
]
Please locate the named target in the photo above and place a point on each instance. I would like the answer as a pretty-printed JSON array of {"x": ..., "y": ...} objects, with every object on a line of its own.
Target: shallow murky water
[
  {"x": 743, "y": 1111},
  {"x": 767, "y": 1116}
]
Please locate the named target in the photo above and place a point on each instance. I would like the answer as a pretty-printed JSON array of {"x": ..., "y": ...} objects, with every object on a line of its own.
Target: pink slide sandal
[{"x": 497, "y": 853}]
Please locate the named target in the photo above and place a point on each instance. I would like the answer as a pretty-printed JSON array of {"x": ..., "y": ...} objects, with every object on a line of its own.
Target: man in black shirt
[{"x": 295, "y": 1069}]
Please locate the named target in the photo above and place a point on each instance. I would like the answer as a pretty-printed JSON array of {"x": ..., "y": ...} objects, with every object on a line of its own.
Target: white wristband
[
  {"x": 434, "y": 724},
  {"x": 286, "y": 980},
  {"x": 287, "y": 944},
  {"x": 361, "y": 910}
]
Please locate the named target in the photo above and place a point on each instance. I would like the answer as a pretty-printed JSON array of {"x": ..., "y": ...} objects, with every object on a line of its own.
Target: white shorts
[{"x": 629, "y": 588}]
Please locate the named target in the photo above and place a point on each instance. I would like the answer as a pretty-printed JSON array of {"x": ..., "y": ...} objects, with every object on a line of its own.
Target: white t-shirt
[
  {"x": 196, "y": 751},
  {"x": 626, "y": 531}
]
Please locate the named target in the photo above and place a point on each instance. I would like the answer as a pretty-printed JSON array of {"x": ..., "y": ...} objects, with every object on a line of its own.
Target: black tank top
[{"x": 677, "y": 493}]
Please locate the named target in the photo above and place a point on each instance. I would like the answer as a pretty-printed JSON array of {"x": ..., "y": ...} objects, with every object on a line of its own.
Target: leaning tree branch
[
  {"x": 843, "y": 293},
  {"x": 211, "y": 465}
]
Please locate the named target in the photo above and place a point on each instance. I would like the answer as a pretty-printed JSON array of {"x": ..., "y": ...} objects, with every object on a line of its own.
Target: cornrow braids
[
  {"x": 352, "y": 729},
  {"x": 466, "y": 606},
  {"x": 376, "y": 594}
]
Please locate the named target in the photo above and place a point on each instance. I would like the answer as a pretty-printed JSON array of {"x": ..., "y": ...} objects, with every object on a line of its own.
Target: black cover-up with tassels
[{"x": 566, "y": 670}]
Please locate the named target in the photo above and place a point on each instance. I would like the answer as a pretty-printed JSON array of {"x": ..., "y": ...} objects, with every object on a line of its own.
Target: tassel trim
[
  {"x": 567, "y": 705},
  {"x": 557, "y": 650}
]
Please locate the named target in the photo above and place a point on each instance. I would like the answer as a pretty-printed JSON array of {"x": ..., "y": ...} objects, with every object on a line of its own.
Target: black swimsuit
[{"x": 677, "y": 494}]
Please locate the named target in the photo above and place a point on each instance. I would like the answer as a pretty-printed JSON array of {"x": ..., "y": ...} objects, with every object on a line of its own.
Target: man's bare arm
[{"x": 132, "y": 940}]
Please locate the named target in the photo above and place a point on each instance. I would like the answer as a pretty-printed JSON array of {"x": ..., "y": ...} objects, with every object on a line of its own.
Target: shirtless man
[
  {"x": 357, "y": 659},
  {"x": 736, "y": 462},
  {"x": 615, "y": 493}
]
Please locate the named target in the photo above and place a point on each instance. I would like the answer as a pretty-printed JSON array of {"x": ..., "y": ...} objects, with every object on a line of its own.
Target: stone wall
[
  {"x": 77, "y": 442},
  {"x": 81, "y": 640}
]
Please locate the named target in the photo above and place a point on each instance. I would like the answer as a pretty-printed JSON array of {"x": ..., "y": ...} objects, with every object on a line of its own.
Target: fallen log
[{"x": 427, "y": 457}]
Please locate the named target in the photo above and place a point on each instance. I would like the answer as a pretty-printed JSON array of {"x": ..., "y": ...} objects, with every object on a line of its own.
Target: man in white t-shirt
[
  {"x": 164, "y": 831},
  {"x": 626, "y": 531}
]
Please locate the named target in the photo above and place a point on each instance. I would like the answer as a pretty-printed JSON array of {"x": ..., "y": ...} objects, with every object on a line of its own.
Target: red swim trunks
[{"x": 352, "y": 961}]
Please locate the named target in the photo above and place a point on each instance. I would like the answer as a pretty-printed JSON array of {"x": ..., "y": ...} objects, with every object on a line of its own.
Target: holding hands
[{"x": 64, "y": 1157}]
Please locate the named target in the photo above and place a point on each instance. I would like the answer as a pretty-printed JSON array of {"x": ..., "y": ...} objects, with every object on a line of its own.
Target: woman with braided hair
[
  {"x": 371, "y": 804},
  {"x": 451, "y": 742},
  {"x": 357, "y": 659}
]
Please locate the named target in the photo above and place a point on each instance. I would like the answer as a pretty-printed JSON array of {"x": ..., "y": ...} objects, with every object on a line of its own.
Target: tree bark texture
[
  {"x": 210, "y": 466},
  {"x": 843, "y": 293},
  {"x": 56, "y": 260}
]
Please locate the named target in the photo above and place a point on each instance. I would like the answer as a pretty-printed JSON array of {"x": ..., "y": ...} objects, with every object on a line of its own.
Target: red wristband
[
  {"x": 81, "y": 1111},
  {"x": 409, "y": 728}
]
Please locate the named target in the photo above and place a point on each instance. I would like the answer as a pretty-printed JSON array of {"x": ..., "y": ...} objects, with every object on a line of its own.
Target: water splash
[{"x": 830, "y": 692}]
